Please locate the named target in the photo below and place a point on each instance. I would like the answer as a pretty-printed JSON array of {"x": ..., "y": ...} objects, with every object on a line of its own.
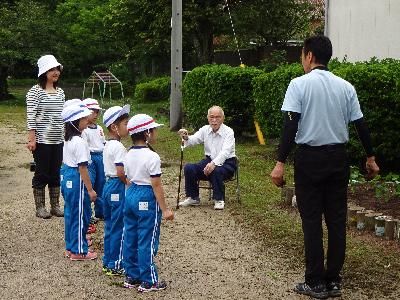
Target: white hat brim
[
  {"x": 125, "y": 110},
  {"x": 49, "y": 67},
  {"x": 86, "y": 112}
]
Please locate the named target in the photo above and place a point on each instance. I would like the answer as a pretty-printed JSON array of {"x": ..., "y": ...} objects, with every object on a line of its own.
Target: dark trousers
[
  {"x": 321, "y": 178},
  {"x": 48, "y": 159},
  {"x": 194, "y": 173}
]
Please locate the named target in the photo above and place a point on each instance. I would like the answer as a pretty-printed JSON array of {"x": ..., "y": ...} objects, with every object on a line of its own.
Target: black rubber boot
[
  {"x": 55, "y": 210},
  {"x": 40, "y": 200}
]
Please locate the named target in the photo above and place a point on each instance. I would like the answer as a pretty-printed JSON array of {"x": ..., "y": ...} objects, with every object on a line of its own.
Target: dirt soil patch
[
  {"x": 204, "y": 254},
  {"x": 364, "y": 195}
]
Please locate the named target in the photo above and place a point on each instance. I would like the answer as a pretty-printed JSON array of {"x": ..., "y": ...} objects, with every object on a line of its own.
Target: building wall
[{"x": 362, "y": 29}]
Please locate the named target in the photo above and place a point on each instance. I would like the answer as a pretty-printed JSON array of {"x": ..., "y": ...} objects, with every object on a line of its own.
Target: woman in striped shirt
[{"x": 45, "y": 134}]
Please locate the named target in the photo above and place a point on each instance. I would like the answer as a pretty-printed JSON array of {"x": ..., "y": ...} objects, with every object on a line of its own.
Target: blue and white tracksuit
[
  {"x": 95, "y": 139},
  {"x": 98, "y": 179},
  {"x": 76, "y": 197},
  {"x": 114, "y": 201},
  {"x": 142, "y": 215},
  {"x": 142, "y": 219},
  {"x": 77, "y": 202}
]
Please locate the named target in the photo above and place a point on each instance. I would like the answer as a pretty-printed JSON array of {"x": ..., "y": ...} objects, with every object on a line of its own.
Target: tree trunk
[
  {"x": 204, "y": 42},
  {"x": 3, "y": 83}
]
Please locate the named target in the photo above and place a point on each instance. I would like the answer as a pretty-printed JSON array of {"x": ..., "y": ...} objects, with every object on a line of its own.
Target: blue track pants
[
  {"x": 77, "y": 204},
  {"x": 98, "y": 179},
  {"x": 194, "y": 173},
  {"x": 114, "y": 201},
  {"x": 142, "y": 218}
]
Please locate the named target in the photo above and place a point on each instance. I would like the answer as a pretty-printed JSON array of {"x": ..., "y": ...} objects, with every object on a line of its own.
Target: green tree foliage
[
  {"x": 141, "y": 28},
  {"x": 85, "y": 42},
  {"x": 273, "y": 21},
  {"x": 26, "y": 32},
  {"x": 145, "y": 29}
]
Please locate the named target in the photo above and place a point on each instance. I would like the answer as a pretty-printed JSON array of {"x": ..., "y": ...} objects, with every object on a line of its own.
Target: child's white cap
[
  {"x": 113, "y": 113},
  {"x": 141, "y": 122},
  {"x": 91, "y": 103},
  {"x": 47, "y": 62},
  {"x": 75, "y": 101},
  {"x": 74, "y": 112}
]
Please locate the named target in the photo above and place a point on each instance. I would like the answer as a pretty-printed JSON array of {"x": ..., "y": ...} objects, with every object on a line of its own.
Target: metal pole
[
  {"x": 176, "y": 66},
  {"x": 326, "y": 29}
]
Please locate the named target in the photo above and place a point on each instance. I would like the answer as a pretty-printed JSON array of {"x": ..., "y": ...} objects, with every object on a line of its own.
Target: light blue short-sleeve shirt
[{"x": 327, "y": 104}]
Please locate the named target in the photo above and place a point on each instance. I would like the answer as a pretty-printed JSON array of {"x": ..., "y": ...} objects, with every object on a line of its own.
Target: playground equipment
[{"x": 102, "y": 79}]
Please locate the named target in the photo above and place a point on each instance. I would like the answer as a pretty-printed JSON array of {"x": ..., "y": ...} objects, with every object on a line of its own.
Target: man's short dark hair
[{"x": 321, "y": 48}]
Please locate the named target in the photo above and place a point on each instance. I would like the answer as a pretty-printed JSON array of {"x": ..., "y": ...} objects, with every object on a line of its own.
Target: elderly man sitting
[{"x": 219, "y": 163}]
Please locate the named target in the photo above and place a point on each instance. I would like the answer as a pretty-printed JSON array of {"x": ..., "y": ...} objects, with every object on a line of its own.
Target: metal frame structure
[{"x": 102, "y": 78}]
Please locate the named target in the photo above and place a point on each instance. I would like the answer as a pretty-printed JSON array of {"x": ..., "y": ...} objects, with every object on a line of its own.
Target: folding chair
[{"x": 234, "y": 178}]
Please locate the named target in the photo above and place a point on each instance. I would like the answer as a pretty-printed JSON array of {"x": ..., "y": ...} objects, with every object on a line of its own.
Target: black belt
[{"x": 322, "y": 147}]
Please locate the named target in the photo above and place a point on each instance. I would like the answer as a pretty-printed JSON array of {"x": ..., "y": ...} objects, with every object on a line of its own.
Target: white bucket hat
[
  {"x": 113, "y": 113},
  {"x": 74, "y": 112},
  {"x": 91, "y": 103},
  {"x": 141, "y": 122},
  {"x": 46, "y": 63},
  {"x": 75, "y": 101}
]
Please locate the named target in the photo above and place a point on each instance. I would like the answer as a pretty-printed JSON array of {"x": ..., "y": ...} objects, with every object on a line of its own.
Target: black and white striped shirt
[{"x": 44, "y": 114}]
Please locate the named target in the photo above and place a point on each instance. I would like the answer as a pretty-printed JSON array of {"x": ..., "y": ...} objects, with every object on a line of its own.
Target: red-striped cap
[
  {"x": 91, "y": 103},
  {"x": 141, "y": 122}
]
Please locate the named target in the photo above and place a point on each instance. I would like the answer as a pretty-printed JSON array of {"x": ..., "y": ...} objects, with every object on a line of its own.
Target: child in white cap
[
  {"x": 115, "y": 119},
  {"x": 95, "y": 138},
  {"x": 77, "y": 187},
  {"x": 144, "y": 206},
  {"x": 66, "y": 208}
]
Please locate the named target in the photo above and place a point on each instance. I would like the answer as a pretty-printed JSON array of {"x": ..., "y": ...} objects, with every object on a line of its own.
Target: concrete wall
[{"x": 362, "y": 29}]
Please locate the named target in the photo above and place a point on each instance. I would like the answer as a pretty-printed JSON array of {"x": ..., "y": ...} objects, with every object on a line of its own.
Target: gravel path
[{"x": 204, "y": 254}]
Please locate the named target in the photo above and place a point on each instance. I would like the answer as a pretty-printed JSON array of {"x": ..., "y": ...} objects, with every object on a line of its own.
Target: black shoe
[
  {"x": 131, "y": 283},
  {"x": 318, "y": 291},
  {"x": 334, "y": 289}
]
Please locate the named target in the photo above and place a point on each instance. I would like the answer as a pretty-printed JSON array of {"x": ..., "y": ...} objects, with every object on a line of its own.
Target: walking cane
[{"x": 180, "y": 176}]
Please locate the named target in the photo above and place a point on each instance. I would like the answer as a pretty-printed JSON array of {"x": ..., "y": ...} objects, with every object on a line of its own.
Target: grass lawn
[{"x": 370, "y": 262}]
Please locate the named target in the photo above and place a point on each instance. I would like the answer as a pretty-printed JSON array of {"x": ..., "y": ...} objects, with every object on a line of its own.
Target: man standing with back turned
[{"x": 317, "y": 109}]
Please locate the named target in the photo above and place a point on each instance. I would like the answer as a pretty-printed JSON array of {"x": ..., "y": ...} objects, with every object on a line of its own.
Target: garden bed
[{"x": 365, "y": 195}]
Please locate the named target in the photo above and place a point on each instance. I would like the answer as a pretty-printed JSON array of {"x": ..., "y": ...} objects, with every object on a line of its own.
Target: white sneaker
[
  {"x": 189, "y": 202},
  {"x": 219, "y": 204}
]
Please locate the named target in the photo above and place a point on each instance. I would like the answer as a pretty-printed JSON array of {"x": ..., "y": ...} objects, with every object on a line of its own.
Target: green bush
[
  {"x": 378, "y": 89},
  {"x": 155, "y": 90},
  {"x": 268, "y": 92},
  {"x": 221, "y": 85}
]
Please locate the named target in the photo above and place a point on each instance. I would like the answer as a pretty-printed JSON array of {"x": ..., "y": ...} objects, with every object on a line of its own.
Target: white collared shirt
[
  {"x": 76, "y": 152},
  {"x": 94, "y": 136},
  {"x": 327, "y": 104},
  {"x": 219, "y": 146},
  {"x": 113, "y": 155},
  {"x": 141, "y": 164}
]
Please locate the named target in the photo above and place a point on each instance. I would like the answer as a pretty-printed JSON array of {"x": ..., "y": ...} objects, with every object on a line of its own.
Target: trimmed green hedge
[
  {"x": 378, "y": 90},
  {"x": 154, "y": 90},
  {"x": 378, "y": 87},
  {"x": 268, "y": 93},
  {"x": 228, "y": 87}
]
